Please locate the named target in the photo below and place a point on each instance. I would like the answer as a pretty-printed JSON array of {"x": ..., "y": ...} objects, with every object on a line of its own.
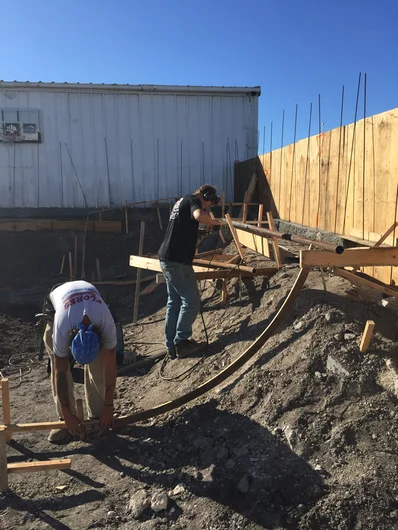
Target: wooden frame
[{"x": 352, "y": 257}]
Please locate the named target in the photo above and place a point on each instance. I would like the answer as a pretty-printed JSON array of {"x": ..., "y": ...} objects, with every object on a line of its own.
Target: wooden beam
[
  {"x": 365, "y": 282},
  {"x": 5, "y": 403},
  {"x": 137, "y": 285},
  {"x": 367, "y": 336},
  {"x": 29, "y": 467},
  {"x": 42, "y": 426},
  {"x": 149, "y": 288},
  {"x": 275, "y": 246},
  {"x": 223, "y": 265},
  {"x": 126, "y": 282},
  {"x": 210, "y": 253},
  {"x": 352, "y": 257},
  {"x": 223, "y": 204},
  {"x": 3, "y": 461},
  {"x": 236, "y": 238},
  {"x": 19, "y": 225},
  {"x": 385, "y": 235}
]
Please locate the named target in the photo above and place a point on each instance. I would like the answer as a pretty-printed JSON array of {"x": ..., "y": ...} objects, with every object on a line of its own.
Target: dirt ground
[{"x": 304, "y": 436}]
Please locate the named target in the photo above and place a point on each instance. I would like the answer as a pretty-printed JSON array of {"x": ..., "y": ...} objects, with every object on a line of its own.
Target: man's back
[
  {"x": 179, "y": 243},
  {"x": 73, "y": 300}
]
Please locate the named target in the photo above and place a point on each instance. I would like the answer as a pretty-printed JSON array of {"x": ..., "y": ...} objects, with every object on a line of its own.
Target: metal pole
[{"x": 265, "y": 232}]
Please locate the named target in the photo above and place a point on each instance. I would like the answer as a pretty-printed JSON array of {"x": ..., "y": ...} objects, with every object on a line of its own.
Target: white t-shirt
[{"x": 73, "y": 300}]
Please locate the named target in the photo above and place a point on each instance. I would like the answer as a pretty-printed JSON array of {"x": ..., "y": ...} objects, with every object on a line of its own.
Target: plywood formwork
[{"x": 329, "y": 184}]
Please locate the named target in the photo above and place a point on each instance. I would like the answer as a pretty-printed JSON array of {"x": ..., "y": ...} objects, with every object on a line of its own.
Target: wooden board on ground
[
  {"x": 28, "y": 467},
  {"x": 351, "y": 257},
  {"x": 19, "y": 225}
]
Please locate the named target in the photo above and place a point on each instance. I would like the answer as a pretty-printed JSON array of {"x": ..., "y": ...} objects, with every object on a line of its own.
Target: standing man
[
  {"x": 80, "y": 323},
  {"x": 176, "y": 255}
]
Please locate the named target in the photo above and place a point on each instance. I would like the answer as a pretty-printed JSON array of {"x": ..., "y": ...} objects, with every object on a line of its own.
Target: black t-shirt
[{"x": 179, "y": 243}]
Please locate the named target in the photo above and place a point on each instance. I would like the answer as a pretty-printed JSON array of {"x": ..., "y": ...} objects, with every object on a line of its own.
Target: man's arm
[
  {"x": 204, "y": 218},
  {"x": 106, "y": 417},
  {"x": 61, "y": 367}
]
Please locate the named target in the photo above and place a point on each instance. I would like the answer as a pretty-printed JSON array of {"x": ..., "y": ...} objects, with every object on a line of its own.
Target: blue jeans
[{"x": 183, "y": 302}]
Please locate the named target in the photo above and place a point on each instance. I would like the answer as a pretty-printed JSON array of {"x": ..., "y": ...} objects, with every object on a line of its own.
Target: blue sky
[{"x": 293, "y": 49}]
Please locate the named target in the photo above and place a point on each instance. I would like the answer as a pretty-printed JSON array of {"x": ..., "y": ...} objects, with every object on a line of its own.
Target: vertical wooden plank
[
  {"x": 97, "y": 264},
  {"x": 75, "y": 259},
  {"x": 275, "y": 245},
  {"x": 159, "y": 216},
  {"x": 223, "y": 204},
  {"x": 244, "y": 213},
  {"x": 367, "y": 336},
  {"x": 5, "y": 399},
  {"x": 61, "y": 270},
  {"x": 138, "y": 281},
  {"x": 126, "y": 217},
  {"x": 70, "y": 266},
  {"x": 224, "y": 294},
  {"x": 236, "y": 238},
  {"x": 260, "y": 214},
  {"x": 3, "y": 462}
]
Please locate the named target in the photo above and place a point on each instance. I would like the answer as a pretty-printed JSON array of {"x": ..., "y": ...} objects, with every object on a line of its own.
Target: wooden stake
[
  {"x": 244, "y": 214},
  {"x": 3, "y": 461},
  {"x": 235, "y": 236},
  {"x": 220, "y": 233},
  {"x": 260, "y": 215},
  {"x": 75, "y": 260},
  {"x": 80, "y": 414},
  {"x": 159, "y": 216},
  {"x": 70, "y": 266},
  {"x": 137, "y": 285},
  {"x": 367, "y": 336},
  {"x": 61, "y": 270},
  {"x": 224, "y": 292},
  {"x": 5, "y": 399},
  {"x": 97, "y": 263},
  {"x": 275, "y": 245},
  {"x": 223, "y": 204},
  {"x": 126, "y": 217}
]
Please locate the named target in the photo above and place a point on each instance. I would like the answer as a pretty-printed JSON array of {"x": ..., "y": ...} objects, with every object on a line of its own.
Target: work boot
[
  {"x": 171, "y": 353},
  {"x": 57, "y": 436},
  {"x": 187, "y": 347}
]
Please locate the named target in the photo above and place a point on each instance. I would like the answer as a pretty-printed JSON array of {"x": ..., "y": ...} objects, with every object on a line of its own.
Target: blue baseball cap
[{"x": 85, "y": 345}]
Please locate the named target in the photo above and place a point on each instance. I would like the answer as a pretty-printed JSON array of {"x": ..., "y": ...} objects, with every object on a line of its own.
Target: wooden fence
[{"x": 343, "y": 181}]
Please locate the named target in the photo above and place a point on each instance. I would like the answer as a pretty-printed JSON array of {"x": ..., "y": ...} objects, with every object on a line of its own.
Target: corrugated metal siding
[{"x": 124, "y": 147}]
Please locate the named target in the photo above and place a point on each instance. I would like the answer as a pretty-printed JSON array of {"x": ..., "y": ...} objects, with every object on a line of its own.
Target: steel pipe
[{"x": 264, "y": 232}]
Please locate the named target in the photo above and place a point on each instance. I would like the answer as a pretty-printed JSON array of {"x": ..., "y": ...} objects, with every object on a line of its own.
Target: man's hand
[
  {"x": 106, "y": 420},
  {"x": 73, "y": 424}
]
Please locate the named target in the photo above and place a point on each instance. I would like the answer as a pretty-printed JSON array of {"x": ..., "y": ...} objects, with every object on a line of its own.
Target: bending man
[
  {"x": 79, "y": 323},
  {"x": 176, "y": 255}
]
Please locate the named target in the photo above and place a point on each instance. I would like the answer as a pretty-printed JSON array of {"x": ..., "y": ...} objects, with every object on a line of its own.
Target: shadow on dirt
[{"x": 208, "y": 457}]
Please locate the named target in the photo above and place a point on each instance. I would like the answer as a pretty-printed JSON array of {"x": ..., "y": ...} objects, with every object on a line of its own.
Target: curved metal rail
[{"x": 229, "y": 370}]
